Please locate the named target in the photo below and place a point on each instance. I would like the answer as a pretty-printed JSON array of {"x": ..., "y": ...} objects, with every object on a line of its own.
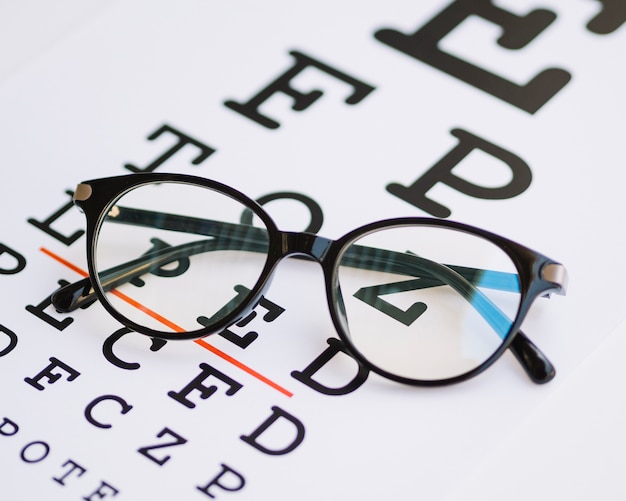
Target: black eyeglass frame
[{"x": 538, "y": 274}]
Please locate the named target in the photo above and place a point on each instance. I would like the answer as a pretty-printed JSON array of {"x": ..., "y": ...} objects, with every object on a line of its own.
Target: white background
[{"x": 86, "y": 82}]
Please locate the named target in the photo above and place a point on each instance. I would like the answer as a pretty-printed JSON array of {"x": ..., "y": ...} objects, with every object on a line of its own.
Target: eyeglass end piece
[
  {"x": 556, "y": 274},
  {"x": 73, "y": 296},
  {"x": 82, "y": 193},
  {"x": 537, "y": 366}
]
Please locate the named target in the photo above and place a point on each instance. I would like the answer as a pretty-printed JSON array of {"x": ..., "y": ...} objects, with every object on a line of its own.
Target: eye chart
[{"x": 505, "y": 115}]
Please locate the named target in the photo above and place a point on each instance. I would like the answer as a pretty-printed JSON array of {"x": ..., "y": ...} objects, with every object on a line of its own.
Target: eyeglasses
[{"x": 417, "y": 300}]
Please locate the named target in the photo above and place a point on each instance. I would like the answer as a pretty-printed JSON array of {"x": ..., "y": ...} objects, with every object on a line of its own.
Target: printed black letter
[
  {"x": 12, "y": 340},
  {"x": 73, "y": 467},
  {"x": 38, "y": 311},
  {"x": 8, "y": 428},
  {"x": 441, "y": 172},
  {"x": 334, "y": 347},
  {"x": 178, "y": 440},
  {"x": 228, "y": 473},
  {"x": 32, "y": 457},
  {"x": 517, "y": 32},
  {"x": 205, "y": 391},
  {"x": 103, "y": 491},
  {"x": 610, "y": 18},
  {"x": 88, "y": 410},
  {"x": 277, "y": 413},
  {"x": 317, "y": 216},
  {"x": 45, "y": 225},
  {"x": 52, "y": 377},
  {"x": 183, "y": 140},
  {"x": 301, "y": 101},
  {"x": 107, "y": 349},
  {"x": 19, "y": 261},
  {"x": 273, "y": 312}
]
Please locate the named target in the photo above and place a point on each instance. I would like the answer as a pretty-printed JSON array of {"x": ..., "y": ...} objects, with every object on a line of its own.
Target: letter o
[
  {"x": 317, "y": 216},
  {"x": 46, "y": 451}
]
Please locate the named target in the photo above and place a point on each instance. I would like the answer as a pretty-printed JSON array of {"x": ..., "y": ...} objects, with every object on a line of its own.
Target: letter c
[{"x": 88, "y": 410}]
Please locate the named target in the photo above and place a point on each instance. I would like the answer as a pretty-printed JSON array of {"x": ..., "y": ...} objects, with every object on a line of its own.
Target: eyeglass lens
[
  {"x": 185, "y": 252},
  {"x": 436, "y": 305}
]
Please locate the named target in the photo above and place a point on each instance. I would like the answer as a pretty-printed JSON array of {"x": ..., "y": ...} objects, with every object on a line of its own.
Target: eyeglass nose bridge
[{"x": 305, "y": 245}]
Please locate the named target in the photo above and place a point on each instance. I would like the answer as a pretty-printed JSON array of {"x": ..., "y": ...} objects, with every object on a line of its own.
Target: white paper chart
[{"x": 507, "y": 115}]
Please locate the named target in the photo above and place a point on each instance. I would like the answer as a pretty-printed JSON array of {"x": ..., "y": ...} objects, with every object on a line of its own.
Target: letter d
[{"x": 277, "y": 415}]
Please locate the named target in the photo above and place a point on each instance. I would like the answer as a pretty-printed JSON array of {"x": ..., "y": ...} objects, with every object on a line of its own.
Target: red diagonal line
[
  {"x": 173, "y": 326},
  {"x": 243, "y": 367},
  {"x": 64, "y": 262}
]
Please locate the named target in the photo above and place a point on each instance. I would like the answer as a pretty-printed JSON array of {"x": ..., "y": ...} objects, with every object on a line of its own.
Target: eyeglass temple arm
[
  {"x": 379, "y": 259},
  {"x": 228, "y": 236},
  {"x": 81, "y": 294}
]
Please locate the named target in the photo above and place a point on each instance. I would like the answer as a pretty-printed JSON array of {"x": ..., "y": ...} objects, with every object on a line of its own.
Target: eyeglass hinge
[
  {"x": 82, "y": 193},
  {"x": 556, "y": 274}
]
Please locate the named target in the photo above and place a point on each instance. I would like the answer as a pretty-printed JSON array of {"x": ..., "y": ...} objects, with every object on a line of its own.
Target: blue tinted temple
[{"x": 230, "y": 236}]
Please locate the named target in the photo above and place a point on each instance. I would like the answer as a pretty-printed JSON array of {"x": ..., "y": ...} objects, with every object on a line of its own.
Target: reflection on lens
[
  {"x": 427, "y": 303},
  {"x": 170, "y": 253}
]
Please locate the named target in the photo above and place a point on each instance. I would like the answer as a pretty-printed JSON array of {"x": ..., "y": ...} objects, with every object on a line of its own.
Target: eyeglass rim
[
  {"x": 104, "y": 191},
  {"x": 527, "y": 262}
]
